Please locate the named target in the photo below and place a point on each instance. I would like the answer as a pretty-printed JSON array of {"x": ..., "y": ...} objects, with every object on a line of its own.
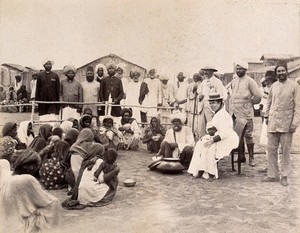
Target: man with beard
[
  {"x": 100, "y": 74},
  {"x": 71, "y": 91},
  {"x": 111, "y": 90},
  {"x": 91, "y": 90},
  {"x": 181, "y": 92},
  {"x": 133, "y": 98},
  {"x": 152, "y": 96},
  {"x": 282, "y": 117},
  {"x": 48, "y": 89},
  {"x": 244, "y": 94},
  {"x": 179, "y": 141},
  {"x": 209, "y": 86}
]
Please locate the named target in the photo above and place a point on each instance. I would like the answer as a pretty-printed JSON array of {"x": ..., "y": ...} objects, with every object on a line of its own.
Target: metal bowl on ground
[
  {"x": 170, "y": 166},
  {"x": 129, "y": 182}
]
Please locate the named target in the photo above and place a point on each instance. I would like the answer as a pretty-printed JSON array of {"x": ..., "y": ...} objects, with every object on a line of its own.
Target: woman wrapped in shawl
[
  {"x": 71, "y": 136},
  {"x": 25, "y": 132},
  {"x": 52, "y": 172},
  {"x": 10, "y": 130},
  {"x": 130, "y": 130},
  {"x": 80, "y": 149},
  {"x": 41, "y": 141},
  {"x": 109, "y": 136},
  {"x": 24, "y": 203},
  {"x": 154, "y": 135},
  {"x": 85, "y": 122}
]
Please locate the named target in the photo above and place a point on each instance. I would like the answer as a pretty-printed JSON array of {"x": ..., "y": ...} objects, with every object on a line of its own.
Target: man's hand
[
  {"x": 208, "y": 143},
  {"x": 292, "y": 129}
]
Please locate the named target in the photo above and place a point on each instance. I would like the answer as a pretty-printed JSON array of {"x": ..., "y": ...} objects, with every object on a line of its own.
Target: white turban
[
  {"x": 242, "y": 64},
  {"x": 179, "y": 116},
  {"x": 163, "y": 77},
  {"x": 47, "y": 60},
  {"x": 103, "y": 67},
  {"x": 68, "y": 68}
]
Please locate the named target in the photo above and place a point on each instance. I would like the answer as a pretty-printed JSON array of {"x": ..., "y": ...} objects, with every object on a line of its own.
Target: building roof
[
  {"x": 293, "y": 65},
  {"x": 113, "y": 56},
  {"x": 268, "y": 56},
  {"x": 15, "y": 67}
]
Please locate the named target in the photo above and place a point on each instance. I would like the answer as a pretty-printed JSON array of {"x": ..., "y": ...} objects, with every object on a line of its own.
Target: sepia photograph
[{"x": 149, "y": 116}]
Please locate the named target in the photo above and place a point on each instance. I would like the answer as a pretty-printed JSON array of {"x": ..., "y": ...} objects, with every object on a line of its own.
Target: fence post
[{"x": 32, "y": 110}]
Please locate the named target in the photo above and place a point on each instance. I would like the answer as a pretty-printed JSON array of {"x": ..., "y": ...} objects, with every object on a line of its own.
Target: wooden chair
[{"x": 240, "y": 129}]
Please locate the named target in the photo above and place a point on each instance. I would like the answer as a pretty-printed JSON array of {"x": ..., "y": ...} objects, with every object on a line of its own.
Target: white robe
[
  {"x": 91, "y": 94},
  {"x": 153, "y": 97},
  {"x": 132, "y": 98},
  {"x": 229, "y": 140},
  {"x": 89, "y": 190},
  {"x": 22, "y": 133}
]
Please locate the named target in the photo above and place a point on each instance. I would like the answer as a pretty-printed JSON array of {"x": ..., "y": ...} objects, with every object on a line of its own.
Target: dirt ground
[{"x": 178, "y": 203}]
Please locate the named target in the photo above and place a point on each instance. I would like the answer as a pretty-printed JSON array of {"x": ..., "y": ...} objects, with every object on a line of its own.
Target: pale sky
[{"x": 171, "y": 36}]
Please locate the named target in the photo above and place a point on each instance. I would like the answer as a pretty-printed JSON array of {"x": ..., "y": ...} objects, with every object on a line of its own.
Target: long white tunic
[
  {"x": 153, "y": 97},
  {"x": 229, "y": 140},
  {"x": 132, "y": 98},
  {"x": 91, "y": 94}
]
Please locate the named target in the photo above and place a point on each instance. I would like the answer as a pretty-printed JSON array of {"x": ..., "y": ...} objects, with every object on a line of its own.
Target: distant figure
[
  {"x": 100, "y": 73},
  {"x": 71, "y": 91},
  {"x": 33, "y": 85},
  {"x": 181, "y": 92},
  {"x": 11, "y": 98},
  {"x": 48, "y": 89},
  {"x": 22, "y": 96},
  {"x": 2, "y": 94},
  {"x": 91, "y": 90},
  {"x": 18, "y": 82}
]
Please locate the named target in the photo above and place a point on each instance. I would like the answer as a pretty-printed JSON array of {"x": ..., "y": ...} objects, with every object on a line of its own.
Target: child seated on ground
[{"x": 108, "y": 165}]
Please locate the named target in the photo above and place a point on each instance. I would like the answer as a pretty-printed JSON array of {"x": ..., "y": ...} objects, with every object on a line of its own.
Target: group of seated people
[
  {"x": 13, "y": 97},
  {"x": 81, "y": 155}
]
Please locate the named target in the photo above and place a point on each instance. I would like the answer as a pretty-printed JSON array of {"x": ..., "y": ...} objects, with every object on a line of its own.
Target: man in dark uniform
[
  {"x": 48, "y": 89},
  {"x": 111, "y": 90}
]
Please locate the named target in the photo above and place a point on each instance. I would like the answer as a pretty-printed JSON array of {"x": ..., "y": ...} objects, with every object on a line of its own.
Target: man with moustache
[
  {"x": 209, "y": 86},
  {"x": 111, "y": 90},
  {"x": 91, "y": 90},
  {"x": 71, "y": 91},
  {"x": 282, "y": 117},
  {"x": 48, "y": 89},
  {"x": 244, "y": 94},
  {"x": 181, "y": 92},
  {"x": 178, "y": 142}
]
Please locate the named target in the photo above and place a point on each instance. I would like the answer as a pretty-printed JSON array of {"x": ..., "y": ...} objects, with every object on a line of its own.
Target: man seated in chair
[
  {"x": 179, "y": 141},
  {"x": 210, "y": 149}
]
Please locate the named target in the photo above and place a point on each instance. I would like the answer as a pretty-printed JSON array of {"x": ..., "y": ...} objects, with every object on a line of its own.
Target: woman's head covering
[
  {"x": 58, "y": 131},
  {"x": 27, "y": 162},
  {"x": 96, "y": 150},
  {"x": 154, "y": 117},
  {"x": 84, "y": 118},
  {"x": 71, "y": 136},
  {"x": 85, "y": 135},
  {"x": 103, "y": 68},
  {"x": 180, "y": 116},
  {"x": 108, "y": 118},
  {"x": 22, "y": 132},
  {"x": 45, "y": 130},
  {"x": 66, "y": 125},
  {"x": 62, "y": 148},
  {"x": 68, "y": 68},
  {"x": 7, "y": 147},
  {"x": 124, "y": 110},
  {"x": 8, "y": 127}
]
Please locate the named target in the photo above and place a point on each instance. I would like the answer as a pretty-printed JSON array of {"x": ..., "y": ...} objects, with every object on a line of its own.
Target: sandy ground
[{"x": 178, "y": 203}]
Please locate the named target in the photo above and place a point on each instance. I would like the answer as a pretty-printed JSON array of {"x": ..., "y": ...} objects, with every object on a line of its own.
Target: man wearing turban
[
  {"x": 244, "y": 94},
  {"x": 70, "y": 91},
  {"x": 48, "y": 89},
  {"x": 111, "y": 90},
  {"x": 91, "y": 90}
]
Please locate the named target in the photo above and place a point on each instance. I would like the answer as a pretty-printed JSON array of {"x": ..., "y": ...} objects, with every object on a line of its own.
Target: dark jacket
[
  {"x": 47, "y": 89},
  {"x": 112, "y": 85}
]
